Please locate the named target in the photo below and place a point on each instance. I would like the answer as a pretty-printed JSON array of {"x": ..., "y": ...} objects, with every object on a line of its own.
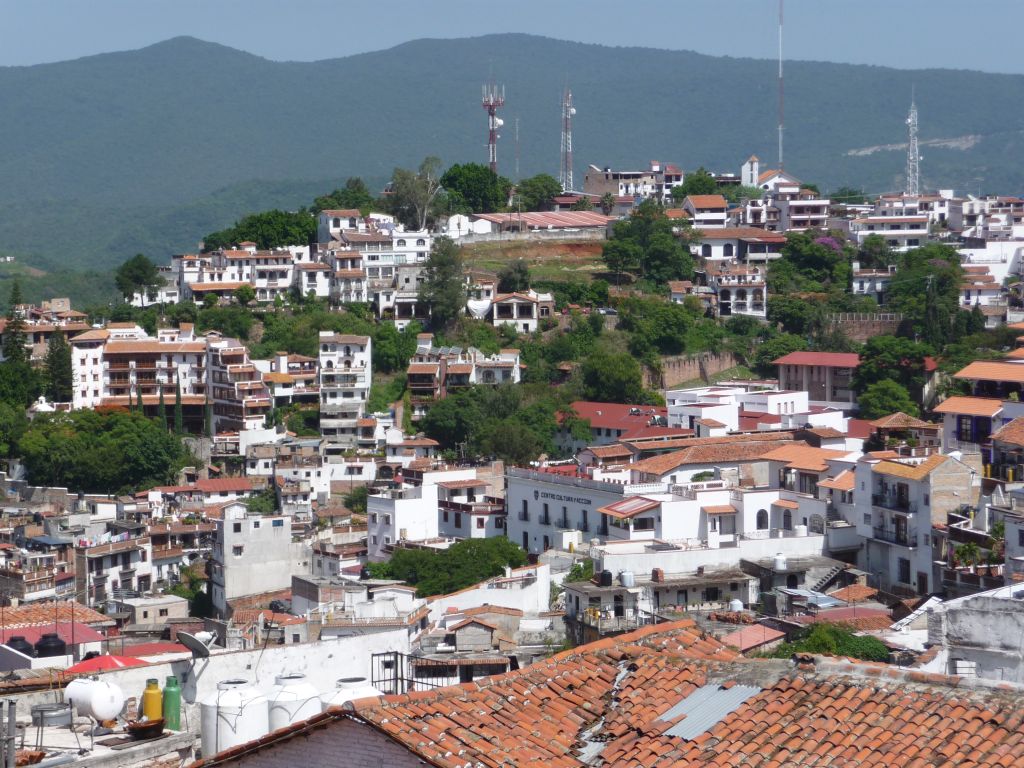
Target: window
[
  {"x": 444, "y": 515},
  {"x": 458, "y": 519},
  {"x": 1020, "y": 537},
  {"x": 255, "y": 523},
  {"x": 762, "y": 519},
  {"x": 926, "y": 499},
  {"x": 481, "y": 523},
  {"x": 163, "y": 611},
  {"x": 145, "y": 614},
  {"x": 373, "y": 518},
  {"x": 904, "y": 570},
  {"x": 277, "y": 524},
  {"x": 236, "y": 527},
  {"x": 787, "y": 520},
  {"x": 237, "y": 551},
  {"x": 295, "y": 637}
]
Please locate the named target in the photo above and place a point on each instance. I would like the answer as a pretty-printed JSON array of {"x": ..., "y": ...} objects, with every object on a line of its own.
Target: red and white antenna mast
[
  {"x": 493, "y": 97},
  {"x": 565, "y": 172}
]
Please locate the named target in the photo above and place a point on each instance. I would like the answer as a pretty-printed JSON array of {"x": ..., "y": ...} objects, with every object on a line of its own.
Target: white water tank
[
  {"x": 292, "y": 699},
  {"x": 800, "y": 530},
  {"x": 735, "y": 605},
  {"x": 234, "y": 714},
  {"x": 95, "y": 698},
  {"x": 349, "y": 689},
  {"x": 780, "y": 562},
  {"x": 627, "y": 579}
]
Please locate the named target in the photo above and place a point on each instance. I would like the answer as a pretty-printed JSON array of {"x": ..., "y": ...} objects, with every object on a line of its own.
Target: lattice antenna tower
[
  {"x": 565, "y": 171},
  {"x": 493, "y": 98},
  {"x": 913, "y": 154}
]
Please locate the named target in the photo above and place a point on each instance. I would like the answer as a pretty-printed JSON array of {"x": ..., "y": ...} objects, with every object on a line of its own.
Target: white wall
[{"x": 534, "y": 597}]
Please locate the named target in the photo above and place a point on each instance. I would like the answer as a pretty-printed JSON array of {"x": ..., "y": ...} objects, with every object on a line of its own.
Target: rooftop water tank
[
  {"x": 627, "y": 579},
  {"x": 800, "y": 530},
  {"x": 292, "y": 699},
  {"x": 50, "y": 644},
  {"x": 780, "y": 562},
  {"x": 735, "y": 605},
  {"x": 21, "y": 645},
  {"x": 234, "y": 714},
  {"x": 349, "y": 689},
  {"x": 94, "y": 698},
  {"x": 606, "y": 578}
]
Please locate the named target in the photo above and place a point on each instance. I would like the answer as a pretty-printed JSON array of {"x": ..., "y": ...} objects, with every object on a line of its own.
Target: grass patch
[{"x": 561, "y": 260}]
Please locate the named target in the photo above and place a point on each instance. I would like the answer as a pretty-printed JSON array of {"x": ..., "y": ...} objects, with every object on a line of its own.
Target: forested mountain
[{"x": 147, "y": 150}]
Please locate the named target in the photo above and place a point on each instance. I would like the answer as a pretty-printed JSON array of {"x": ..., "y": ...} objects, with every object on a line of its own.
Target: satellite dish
[{"x": 200, "y": 650}]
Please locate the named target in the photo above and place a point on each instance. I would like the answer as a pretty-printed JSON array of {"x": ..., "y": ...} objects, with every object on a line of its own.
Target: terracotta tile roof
[
  {"x": 226, "y": 484},
  {"x": 970, "y": 406},
  {"x": 900, "y": 420},
  {"x": 751, "y": 637},
  {"x": 342, "y": 213},
  {"x": 614, "y": 451},
  {"x": 844, "y": 481},
  {"x": 982, "y": 370},
  {"x": 855, "y": 593},
  {"x": 702, "y": 450},
  {"x": 910, "y": 471},
  {"x": 1012, "y": 433},
  {"x": 719, "y": 509},
  {"x": 786, "y": 504},
  {"x": 803, "y": 456},
  {"x": 822, "y": 359},
  {"x": 431, "y": 368},
  {"x": 707, "y": 201},
  {"x": 43, "y": 612},
  {"x": 629, "y": 507}
]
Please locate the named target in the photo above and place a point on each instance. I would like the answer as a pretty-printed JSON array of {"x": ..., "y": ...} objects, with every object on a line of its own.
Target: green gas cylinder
[{"x": 172, "y": 704}]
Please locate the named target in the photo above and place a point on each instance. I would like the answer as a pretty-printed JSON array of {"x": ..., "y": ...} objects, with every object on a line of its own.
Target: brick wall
[{"x": 681, "y": 368}]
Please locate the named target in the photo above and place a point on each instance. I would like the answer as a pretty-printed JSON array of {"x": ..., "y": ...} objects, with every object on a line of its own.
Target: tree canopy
[
  {"x": 475, "y": 188},
  {"x": 443, "y": 288},
  {"x": 514, "y": 276},
  {"x": 354, "y": 194},
  {"x": 537, "y": 193},
  {"x": 59, "y": 375},
  {"x": 137, "y": 274},
  {"x": 700, "y": 182},
  {"x": 440, "y": 572},
  {"x": 413, "y": 195},
  {"x": 651, "y": 244},
  {"x": 268, "y": 229},
  {"x": 884, "y": 397}
]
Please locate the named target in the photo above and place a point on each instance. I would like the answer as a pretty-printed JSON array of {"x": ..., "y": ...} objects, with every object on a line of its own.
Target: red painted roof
[{"x": 616, "y": 415}]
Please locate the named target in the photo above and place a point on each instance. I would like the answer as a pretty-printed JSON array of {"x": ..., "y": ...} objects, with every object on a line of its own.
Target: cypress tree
[
  {"x": 59, "y": 377},
  {"x": 138, "y": 396},
  {"x": 14, "y": 332},
  {"x": 161, "y": 410},
  {"x": 179, "y": 422}
]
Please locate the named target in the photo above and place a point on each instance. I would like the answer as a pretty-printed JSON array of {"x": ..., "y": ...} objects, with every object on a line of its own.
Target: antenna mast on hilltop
[
  {"x": 913, "y": 157},
  {"x": 565, "y": 172},
  {"x": 516, "y": 122},
  {"x": 493, "y": 97},
  {"x": 781, "y": 92}
]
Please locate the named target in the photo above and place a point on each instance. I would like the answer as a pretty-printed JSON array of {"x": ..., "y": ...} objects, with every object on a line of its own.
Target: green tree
[
  {"x": 926, "y": 290},
  {"x": 161, "y": 410},
  {"x": 581, "y": 571},
  {"x": 244, "y": 294},
  {"x": 443, "y": 288},
  {"x": 891, "y": 357},
  {"x": 412, "y": 195},
  {"x": 607, "y": 203},
  {"x": 355, "y": 500},
  {"x": 700, "y": 182},
  {"x": 583, "y": 203},
  {"x": 137, "y": 274},
  {"x": 833, "y": 640},
  {"x": 875, "y": 253},
  {"x": 15, "y": 340},
  {"x": 354, "y": 195},
  {"x": 437, "y": 572},
  {"x": 59, "y": 377},
  {"x": 475, "y": 188},
  {"x": 537, "y": 193},
  {"x": 885, "y": 397},
  {"x": 179, "y": 422},
  {"x": 772, "y": 349},
  {"x": 612, "y": 378},
  {"x": 13, "y": 424},
  {"x": 268, "y": 229},
  {"x": 848, "y": 196},
  {"x": 620, "y": 256},
  {"x": 262, "y": 503},
  {"x": 514, "y": 276}
]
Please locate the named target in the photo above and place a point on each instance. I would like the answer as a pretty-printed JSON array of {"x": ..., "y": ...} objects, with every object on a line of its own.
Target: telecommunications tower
[
  {"x": 565, "y": 171},
  {"x": 782, "y": 101},
  {"x": 913, "y": 156},
  {"x": 493, "y": 97}
]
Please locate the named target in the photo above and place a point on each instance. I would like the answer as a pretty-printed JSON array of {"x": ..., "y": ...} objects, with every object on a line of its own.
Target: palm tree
[
  {"x": 607, "y": 203},
  {"x": 968, "y": 554}
]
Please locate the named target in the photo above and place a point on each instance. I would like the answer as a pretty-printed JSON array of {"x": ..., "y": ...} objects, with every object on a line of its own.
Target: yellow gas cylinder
[{"x": 152, "y": 700}]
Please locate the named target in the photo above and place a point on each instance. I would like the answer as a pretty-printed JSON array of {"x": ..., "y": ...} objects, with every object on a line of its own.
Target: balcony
[
  {"x": 900, "y": 537},
  {"x": 893, "y": 501},
  {"x": 524, "y": 516},
  {"x": 544, "y": 519},
  {"x": 563, "y": 523}
]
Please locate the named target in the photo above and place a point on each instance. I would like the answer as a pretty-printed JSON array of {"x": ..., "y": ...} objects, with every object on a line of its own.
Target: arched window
[
  {"x": 792, "y": 582},
  {"x": 705, "y": 251},
  {"x": 787, "y": 520},
  {"x": 728, "y": 249},
  {"x": 400, "y": 244},
  {"x": 421, "y": 241},
  {"x": 725, "y": 295},
  {"x": 762, "y": 520}
]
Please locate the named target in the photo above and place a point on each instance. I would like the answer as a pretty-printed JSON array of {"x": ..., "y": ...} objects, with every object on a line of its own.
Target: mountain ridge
[{"x": 114, "y": 136}]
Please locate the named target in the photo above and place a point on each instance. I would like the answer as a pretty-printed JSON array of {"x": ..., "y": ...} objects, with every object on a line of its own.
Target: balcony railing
[
  {"x": 892, "y": 501},
  {"x": 903, "y": 538},
  {"x": 524, "y": 516}
]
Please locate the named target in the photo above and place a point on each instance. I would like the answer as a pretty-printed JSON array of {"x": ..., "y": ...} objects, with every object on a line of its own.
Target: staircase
[{"x": 827, "y": 579}]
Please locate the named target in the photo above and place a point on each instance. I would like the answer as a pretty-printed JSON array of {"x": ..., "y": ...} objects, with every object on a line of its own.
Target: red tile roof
[{"x": 825, "y": 359}]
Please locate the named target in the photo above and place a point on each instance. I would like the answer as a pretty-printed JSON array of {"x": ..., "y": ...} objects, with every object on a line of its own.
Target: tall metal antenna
[
  {"x": 913, "y": 156},
  {"x": 517, "y": 147},
  {"x": 565, "y": 171},
  {"x": 781, "y": 91},
  {"x": 493, "y": 97}
]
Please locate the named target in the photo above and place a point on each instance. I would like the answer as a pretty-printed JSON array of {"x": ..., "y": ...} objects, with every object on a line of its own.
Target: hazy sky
[{"x": 962, "y": 34}]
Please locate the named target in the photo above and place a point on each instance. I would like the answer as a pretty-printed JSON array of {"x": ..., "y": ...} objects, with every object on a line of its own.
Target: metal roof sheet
[{"x": 706, "y": 707}]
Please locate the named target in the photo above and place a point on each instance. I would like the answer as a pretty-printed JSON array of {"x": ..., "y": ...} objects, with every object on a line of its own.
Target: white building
[
  {"x": 252, "y": 555},
  {"x": 346, "y": 372},
  {"x": 901, "y": 233}
]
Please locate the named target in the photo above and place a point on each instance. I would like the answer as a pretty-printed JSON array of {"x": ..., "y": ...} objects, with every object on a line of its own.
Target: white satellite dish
[{"x": 198, "y": 643}]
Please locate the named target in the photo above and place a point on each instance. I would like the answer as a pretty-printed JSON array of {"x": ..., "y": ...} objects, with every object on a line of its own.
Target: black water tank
[
  {"x": 50, "y": 644},
  {"x": 21, "y": 645},
  {"x": 606, "y": 578}
]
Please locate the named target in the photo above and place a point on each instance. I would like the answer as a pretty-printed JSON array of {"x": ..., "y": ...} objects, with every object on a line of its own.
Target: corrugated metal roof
[{"x": 705, "y": 707}]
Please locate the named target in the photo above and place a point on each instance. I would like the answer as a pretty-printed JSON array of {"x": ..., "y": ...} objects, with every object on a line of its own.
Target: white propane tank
[
  {"x": 292, "y": 699},
  {"x": 780, "y": 562},
  {"x": 235, "y": 714},
  {"x": 95, "y": 698},
  {"x": 627, "y": 579},
  {"x": 735, "y": 605},
  {"x": 349, "y": 689}
]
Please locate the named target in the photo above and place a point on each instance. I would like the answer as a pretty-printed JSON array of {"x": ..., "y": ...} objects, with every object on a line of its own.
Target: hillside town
[{"x": 766, "y": 465}]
